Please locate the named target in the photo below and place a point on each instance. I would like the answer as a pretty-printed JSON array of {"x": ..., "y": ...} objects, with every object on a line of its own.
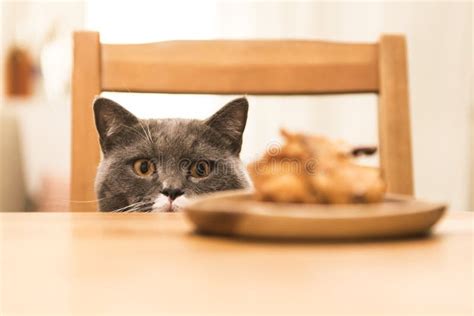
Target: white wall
[
  {"x": 439, "y": 50},
  {"x": 42, "y": 121}
]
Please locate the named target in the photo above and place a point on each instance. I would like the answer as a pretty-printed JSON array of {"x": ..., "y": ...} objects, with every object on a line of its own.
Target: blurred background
[{"x": 35, "y": 60}]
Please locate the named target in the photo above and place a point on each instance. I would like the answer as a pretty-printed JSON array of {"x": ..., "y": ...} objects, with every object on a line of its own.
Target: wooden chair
[{"x": 241, "y": 67}]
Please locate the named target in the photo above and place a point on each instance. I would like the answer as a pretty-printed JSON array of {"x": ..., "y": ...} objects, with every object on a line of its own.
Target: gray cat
[{"x": 158, "y": 164}]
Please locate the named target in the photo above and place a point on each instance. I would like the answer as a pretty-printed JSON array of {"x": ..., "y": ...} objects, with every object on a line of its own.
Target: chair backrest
[{"x": 241, "y": 67}]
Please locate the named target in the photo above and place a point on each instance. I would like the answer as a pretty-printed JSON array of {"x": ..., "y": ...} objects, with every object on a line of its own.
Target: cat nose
[{"x": 172, "y": 193}]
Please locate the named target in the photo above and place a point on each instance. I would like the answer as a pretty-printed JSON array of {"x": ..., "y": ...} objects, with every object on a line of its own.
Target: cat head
[{"x": 158, "y": 164}]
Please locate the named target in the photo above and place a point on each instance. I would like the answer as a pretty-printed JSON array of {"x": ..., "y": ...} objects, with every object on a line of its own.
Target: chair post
[
  {"x": 394, "y": 116},
  {"x": 85, "y": 154}
]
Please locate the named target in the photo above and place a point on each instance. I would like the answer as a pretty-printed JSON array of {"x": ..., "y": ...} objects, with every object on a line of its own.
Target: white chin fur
[{"x": 164, "y": 204}]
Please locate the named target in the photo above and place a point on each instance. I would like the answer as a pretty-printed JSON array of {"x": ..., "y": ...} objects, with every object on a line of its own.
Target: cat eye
[
  {"x": 143, "y": 167},
  {"x": 200, "y": 169}
]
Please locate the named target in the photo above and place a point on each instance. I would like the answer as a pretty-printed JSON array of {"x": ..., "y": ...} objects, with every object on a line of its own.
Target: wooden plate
[{"x": 238, "y": 214}]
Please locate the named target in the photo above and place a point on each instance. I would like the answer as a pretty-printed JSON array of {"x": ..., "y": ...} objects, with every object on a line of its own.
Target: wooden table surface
[{"x": 139, "y": 264}]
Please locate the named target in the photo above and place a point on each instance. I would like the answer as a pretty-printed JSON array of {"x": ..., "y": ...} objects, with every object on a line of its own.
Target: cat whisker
[
  {"x": 149, "y": 132},
  {"x": 136, "y": 132},
  {"x": 141, "y": 207},
  {"x": 132, "y": 206},
  {"x": 84, "y": 201},
  {"x": 145, "y": 133}
]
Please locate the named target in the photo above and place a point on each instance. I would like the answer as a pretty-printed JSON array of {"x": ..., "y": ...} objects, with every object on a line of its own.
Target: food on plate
[{"x": 315, "y": 169}]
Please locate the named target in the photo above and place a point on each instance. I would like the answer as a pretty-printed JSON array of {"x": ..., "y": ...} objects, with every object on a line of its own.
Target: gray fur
[{"x": 172, "y": 144}]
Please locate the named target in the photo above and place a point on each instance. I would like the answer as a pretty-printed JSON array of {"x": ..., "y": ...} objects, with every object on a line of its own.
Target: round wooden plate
[{"x": 237, "y": 213}]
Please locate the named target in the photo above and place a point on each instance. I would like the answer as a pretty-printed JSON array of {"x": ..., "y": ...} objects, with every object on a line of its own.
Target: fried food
[{"x": 314, "y": 169}]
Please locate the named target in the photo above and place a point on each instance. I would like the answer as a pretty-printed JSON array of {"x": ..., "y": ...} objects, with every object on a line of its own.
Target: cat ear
[
  {"x": 230, "y": 121},
  {"x": 110, "y": 117}
]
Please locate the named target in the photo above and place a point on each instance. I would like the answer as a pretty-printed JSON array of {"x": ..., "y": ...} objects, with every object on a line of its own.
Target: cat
[{"x": 160, "y": 164}]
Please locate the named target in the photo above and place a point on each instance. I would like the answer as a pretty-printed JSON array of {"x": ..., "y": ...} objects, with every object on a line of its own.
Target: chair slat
[
  {"x": 241, "y": 67},
  {"x": 394, "y": 116},
  {"x": 85, "y": 151}
]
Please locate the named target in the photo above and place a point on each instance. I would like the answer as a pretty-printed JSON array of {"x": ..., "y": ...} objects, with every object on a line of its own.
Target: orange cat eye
[
  {"x": 143, "y": 167},
  {"x": 200, "y": 169}
]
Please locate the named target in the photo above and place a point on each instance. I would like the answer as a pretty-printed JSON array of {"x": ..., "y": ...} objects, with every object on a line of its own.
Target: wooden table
[{"x": 137, "y": 264}]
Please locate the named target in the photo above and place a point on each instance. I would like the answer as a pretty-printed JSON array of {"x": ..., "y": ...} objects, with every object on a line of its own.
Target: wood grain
[
  {"x": 85, "y": 153},
  {"x": 394, "y": 116},
  {"x": 241, "y": 67},
  {"x": 152, "y": 264}
]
